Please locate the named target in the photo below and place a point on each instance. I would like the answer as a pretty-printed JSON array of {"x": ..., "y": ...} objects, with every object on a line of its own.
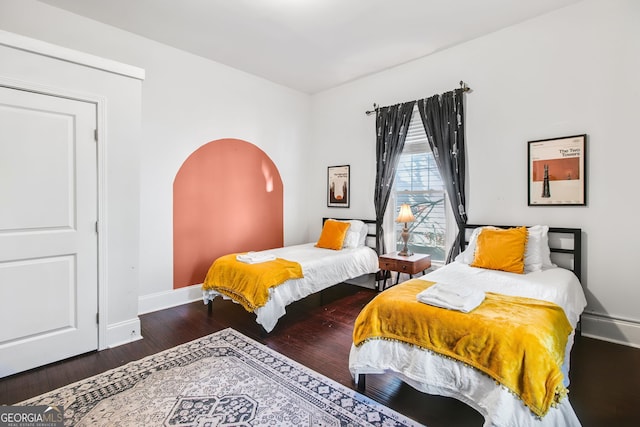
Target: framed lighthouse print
[
  {"x": 338, "y": 191},
  {"x": 557, "y": 175}
]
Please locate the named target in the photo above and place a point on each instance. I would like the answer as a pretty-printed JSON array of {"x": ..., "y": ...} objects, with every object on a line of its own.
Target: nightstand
[{"x": 402, "y": 264}]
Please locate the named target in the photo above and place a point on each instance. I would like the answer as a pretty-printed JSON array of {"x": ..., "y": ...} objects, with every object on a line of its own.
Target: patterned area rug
[{"x": 224, "y": 379}]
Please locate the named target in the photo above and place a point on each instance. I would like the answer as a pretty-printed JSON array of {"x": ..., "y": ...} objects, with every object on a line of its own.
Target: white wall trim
[
  {"x": 124, "y": 332},
  {"x": 606, "y": 328},
  {"x": 69, "y": 55},
  {"x": 168, "y": 299},
  {"x": 103, "y": 222}
]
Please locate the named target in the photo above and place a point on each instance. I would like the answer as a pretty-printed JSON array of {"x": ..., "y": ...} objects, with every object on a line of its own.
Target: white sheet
[
  {"x": 434, "y": 374},
  {"x": 322, "y": 268}
]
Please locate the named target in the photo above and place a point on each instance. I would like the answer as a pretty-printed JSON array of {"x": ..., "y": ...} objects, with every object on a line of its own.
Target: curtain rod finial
[{"x": 375, "y": 109}]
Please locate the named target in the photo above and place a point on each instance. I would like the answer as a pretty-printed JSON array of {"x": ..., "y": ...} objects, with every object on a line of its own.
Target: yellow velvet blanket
[
  {"x": 519, "y": 342},
  {"x": 249, "y": 284}
]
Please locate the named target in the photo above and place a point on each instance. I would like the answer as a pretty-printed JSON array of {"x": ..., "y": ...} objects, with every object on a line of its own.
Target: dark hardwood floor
[{"x": 605, "y": 377}]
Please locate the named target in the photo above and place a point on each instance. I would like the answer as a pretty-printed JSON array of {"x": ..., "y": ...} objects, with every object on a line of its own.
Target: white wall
[
  {"x": 569, "y": 72},
  {"x": 187, "y": 101}
]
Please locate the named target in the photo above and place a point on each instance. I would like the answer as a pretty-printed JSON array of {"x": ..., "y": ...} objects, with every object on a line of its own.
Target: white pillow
[
  {"x": 356, "y": 234},
  {"x": 537, "y": 255},
  {"x": 350, "y": 239},
  {"x": 364, "y": 230}
]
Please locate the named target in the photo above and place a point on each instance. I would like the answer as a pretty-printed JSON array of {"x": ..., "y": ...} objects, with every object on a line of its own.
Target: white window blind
[{"x": 418, "y": 183}]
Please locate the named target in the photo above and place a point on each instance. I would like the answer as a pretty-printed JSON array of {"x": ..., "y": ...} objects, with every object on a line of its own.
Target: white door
[{"x": 48, "y": 239}]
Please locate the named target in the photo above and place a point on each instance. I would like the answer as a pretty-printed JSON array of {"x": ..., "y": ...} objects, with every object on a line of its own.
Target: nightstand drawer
[
  {"x": 413, "y": 266},
  {"x": 387, "y": 264},
  {"x": 409, "y": 267}
]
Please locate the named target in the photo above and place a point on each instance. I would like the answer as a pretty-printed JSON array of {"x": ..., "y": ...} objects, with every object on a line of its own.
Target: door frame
[{"x": 100, "y": 103}]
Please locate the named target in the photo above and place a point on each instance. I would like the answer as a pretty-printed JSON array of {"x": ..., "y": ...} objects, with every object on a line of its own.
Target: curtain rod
[{"x": 376, "y": 107}]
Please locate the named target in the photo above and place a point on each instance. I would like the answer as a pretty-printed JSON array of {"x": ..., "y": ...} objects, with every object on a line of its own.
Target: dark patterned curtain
[
  {"x": 443, "y": 120},
  {"x": 391, "y": 131}
]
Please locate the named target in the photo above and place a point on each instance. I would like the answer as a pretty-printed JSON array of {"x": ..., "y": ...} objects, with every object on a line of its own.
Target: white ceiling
[{"x": 310, "y": 45}]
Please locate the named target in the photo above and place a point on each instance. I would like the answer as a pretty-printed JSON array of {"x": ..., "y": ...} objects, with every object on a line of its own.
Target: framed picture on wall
[
  {"x": 338, "y": 183},
  {"x": 557, "y": 171}
]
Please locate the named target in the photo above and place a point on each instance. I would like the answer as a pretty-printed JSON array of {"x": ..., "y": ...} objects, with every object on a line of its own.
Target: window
[{"x": 418, "y": 183}]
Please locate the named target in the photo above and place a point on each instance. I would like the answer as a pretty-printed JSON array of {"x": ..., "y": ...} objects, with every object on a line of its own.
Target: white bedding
[
  {"x": 434, "y": 374},
  {"x": 321, "y": 268}
]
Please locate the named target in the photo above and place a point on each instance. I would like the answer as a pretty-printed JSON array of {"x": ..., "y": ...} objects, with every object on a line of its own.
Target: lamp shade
[{"x": 405, "y": 214}]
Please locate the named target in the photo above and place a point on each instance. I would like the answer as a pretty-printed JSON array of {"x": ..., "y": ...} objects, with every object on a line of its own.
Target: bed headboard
[
  {"x": 565, "y": 245},
  {"x": 371, "y": 233}
]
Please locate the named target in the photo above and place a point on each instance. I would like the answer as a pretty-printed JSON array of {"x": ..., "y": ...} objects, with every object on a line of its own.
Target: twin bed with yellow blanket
[
  {"x": 267, "y": 288},
  {"x": 508, "y": 357}
]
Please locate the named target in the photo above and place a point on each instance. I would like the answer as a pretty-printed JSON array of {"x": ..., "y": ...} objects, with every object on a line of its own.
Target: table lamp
[{"x": 405, "y": 216}]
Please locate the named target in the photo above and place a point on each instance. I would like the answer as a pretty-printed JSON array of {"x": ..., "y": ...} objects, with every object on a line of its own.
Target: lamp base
[{"x": 405, "y": 239}]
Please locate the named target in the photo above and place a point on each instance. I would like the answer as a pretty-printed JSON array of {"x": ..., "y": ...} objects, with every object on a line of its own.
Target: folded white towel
[
  {"x": 255, "y": 257},
  {"x": 452, "y": 296}
]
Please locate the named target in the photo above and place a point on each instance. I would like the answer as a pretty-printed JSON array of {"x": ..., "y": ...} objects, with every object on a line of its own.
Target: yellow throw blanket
[
  {"x": 519, "y": 342},
  {"x": 249, "y": 284}
]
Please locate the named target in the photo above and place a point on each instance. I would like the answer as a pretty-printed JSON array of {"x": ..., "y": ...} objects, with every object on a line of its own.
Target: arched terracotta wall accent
[{"x": 227, "y": 197}]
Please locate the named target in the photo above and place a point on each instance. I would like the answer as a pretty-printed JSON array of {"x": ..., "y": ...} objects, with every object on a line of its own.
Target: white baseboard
[
  {"x": 168, "y": 299},
  {"x": 606, "y": 328},
  {"x": 123, "y": 332}
]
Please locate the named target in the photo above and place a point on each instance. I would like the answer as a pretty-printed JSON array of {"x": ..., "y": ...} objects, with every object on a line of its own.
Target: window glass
[{"x": 418, "y": 183}]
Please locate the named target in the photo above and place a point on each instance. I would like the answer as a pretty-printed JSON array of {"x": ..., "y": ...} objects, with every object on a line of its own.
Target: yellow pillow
[
  {"x": 501, "y": 249},
  {"x": 333, "y": 234}
]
